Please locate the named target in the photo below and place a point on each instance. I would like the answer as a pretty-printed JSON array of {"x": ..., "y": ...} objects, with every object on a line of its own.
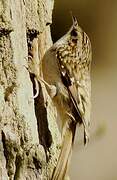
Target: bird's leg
[
  {"x": 33, "y": 61},
  {"x": 33, "y": 67},
  {"x": 52, "y": 89}
]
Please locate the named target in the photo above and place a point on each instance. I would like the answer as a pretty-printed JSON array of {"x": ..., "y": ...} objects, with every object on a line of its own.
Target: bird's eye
[{"x": 74, "y": 33}]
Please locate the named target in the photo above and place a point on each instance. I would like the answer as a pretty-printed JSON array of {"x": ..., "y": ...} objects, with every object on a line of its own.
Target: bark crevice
[{"x": 29, "y": 134}]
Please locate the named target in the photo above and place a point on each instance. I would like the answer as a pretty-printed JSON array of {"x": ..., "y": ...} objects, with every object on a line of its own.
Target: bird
[{"x": 66, "y": 70}]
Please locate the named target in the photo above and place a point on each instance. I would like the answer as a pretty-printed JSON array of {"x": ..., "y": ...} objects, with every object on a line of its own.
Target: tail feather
[{"x": 65, "y": 154}]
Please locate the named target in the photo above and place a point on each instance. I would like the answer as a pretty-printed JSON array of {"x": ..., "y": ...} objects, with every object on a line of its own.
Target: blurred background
[{"x": 99, "y": 20}]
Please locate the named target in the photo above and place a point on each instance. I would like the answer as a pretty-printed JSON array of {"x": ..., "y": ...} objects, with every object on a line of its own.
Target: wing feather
[{"x": 74, "y": 97}]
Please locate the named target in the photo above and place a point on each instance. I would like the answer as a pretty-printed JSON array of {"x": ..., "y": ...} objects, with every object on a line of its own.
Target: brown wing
[
  {"x": 75, "y": 97},
  {"x": 72, "y": 90}
]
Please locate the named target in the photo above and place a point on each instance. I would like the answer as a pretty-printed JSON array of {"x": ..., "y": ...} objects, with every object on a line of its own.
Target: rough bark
[{"x": 29, "y": 137}]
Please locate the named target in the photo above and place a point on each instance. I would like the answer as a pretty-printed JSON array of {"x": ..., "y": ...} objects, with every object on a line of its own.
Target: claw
[
  {"x": 36, "y": 83},
  {"x": 86, "y": 137},
  {"x": 37, "y": 88}
]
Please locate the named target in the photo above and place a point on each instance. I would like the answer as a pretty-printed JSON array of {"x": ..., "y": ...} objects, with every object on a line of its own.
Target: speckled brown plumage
[{"x": 66, "y": 66}]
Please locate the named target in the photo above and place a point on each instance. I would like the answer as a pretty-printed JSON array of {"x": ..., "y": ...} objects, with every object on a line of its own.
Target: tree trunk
[{"x": 29, "y": 137}]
